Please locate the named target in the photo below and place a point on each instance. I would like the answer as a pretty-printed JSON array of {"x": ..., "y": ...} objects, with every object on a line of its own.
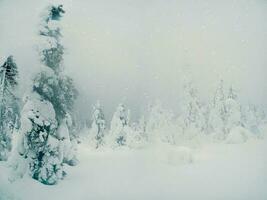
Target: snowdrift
[{"x": 238, "y": 135}]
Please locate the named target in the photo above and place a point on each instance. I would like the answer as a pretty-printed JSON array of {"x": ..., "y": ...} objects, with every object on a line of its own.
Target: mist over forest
[{"x": 138, "y": 51}]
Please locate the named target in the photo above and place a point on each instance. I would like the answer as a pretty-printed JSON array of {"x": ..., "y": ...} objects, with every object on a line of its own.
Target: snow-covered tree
[
  {"x": 233, "y": 110},
  {"x": 160, "y": 126},
  {"x": 253, "y": 118},
  {"x": 218, "y": 113},
  {"x": 142, "y": 126},
  {"x": 68, "y": 140},
  {"x": 119, "y": 125},
  {"x": 9, "y": 105},
  {"x": 39, "y": 144},
  {"x": 98, "y": 127},
  {"x": 193, "y": 112},
  {"x": 54, "y": 86},
  {"x": 46, "y": 117},
  {"x": 137, "y": 136}
]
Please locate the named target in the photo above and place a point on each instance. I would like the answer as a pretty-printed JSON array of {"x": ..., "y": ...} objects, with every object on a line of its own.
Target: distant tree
[
  {"x": 253, "y": 117},
  {"x": 119, "y": 124},
  {"x": 218, "y": 113},
  {"x": 233, "y": 110},
  {"x": 193, "y": 112},
  {"x": 232, "y": 93},
  {"x": 9, "y": 105},
  {"x": 142, "y": 126},
  {"x": 98, "y": 127},
  {"x": 159, "y": 124}
]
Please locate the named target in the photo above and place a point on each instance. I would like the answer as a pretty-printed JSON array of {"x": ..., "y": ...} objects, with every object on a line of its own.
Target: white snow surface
[{"x": 209, "y": 171}]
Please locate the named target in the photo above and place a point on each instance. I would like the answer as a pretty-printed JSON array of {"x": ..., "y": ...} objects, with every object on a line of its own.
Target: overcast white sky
[{"x": 139, "y": 50}]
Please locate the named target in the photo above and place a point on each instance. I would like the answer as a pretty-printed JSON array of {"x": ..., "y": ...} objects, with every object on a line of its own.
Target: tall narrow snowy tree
[
  {"x": 98, "y": 127},
  {"x": 142, "y": 128},
  {"x": 46, "y": 113},
  {"x": 9, "y": 105},
  {"x": 193, "y": 112},
  {"x": 119, "y": 125},
  {"x": 218, "y": 113},
  {"x": 233, "y": 110}
]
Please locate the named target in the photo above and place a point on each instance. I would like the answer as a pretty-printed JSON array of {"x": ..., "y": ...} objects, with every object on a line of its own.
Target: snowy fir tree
[
  {"x": 218, "y": 113},
  {"x": 9, "y": 105},
  {"x": 233, "y": 110},
  {"x": 193, "y": 112},
  {"x": 137, "y": 136},
  {"x": 141, "y": 127},
  {"x": 253, "y": 118},
  {"x": 160, "y": 126},
  {"x": 46, "y": 119},
  {"x": 98, "y": 127},
  {"x": 68, "y": 140},
  {"x": 119, "y": 125},
  {"x": 39, "y": 145},
  {"x": 54, "y": 86}
]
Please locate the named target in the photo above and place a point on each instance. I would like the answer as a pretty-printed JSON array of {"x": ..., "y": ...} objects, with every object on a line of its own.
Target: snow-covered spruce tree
[
  {"x": 253, "y": 118},
  {"x": 46, "y": 113},
  {"x": 119, "y": 125},
  {"x": 233, "y": 110},
  {"x": 98, "y": 127},
  {"x": 136, "y": 134},
  {"x": 9, "y": 105},
  {"x": 142, "y": 126},
  {"x": 193, "y": 112},
  {"x": 218, "y": 113},
  {"x": 160, "y": 126},
  {"x": 66, "y": 133}
]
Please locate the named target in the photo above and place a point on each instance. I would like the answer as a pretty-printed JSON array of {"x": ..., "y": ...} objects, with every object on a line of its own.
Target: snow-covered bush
[{"x": 238, "y": 135}]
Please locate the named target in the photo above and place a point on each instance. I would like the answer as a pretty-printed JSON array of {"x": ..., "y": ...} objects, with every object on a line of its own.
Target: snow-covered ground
[{"x": 210, "y": 171}]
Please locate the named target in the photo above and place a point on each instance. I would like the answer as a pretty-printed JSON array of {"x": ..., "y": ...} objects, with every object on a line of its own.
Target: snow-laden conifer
[
  {"x": 47, "y": 119},
  {"x": 9, "y": 105}
]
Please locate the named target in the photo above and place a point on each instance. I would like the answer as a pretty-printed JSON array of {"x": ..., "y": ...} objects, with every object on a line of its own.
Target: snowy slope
[{"x": 217, "y": 171}]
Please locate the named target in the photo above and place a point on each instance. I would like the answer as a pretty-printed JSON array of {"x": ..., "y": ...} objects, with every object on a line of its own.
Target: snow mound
[
  {"x": 238, "y": 135},
  {"x": 172, "y": 155},
  {"x": 179, "y": 155}
]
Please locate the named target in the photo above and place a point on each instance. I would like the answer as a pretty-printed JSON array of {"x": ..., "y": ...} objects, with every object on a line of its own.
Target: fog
[{"x": 136, "y": 51}]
